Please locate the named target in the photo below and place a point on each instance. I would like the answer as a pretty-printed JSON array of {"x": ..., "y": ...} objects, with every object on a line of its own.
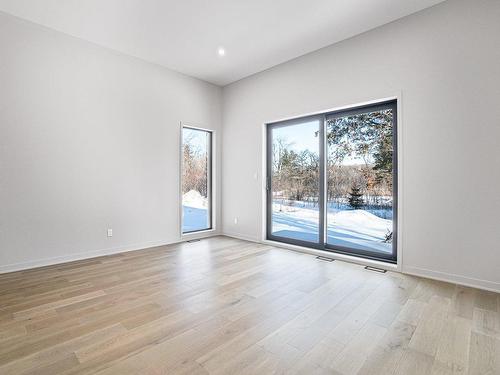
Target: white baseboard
[
  {"x": 241, "y": 237},
  {"x": 83, "y": 255},
  {"x": 452, "y": 278},
  {"x": 97, "y": 253}
]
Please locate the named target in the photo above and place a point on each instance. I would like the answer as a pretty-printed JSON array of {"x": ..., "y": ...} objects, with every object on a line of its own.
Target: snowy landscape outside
[
  {"x": 359, "y": 181},
  {"x": 358, "y": 229},
  {"x": 194, "y": 211}
]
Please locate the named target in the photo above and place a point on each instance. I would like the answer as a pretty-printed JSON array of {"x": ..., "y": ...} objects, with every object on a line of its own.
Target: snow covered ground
[
  {"x": 357, "y": 229},
  {"x": 194, "y": 212}
]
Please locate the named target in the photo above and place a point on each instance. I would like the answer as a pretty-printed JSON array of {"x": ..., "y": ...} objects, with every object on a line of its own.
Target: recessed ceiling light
[{"x": 221, "y": 51}]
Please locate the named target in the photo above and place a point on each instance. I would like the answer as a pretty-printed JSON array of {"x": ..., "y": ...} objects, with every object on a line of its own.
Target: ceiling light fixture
[{"x": 221, "y": 51}]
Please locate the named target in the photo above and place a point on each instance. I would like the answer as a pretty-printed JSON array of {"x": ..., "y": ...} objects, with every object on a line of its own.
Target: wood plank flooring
[{"x": 225, "y": 306}]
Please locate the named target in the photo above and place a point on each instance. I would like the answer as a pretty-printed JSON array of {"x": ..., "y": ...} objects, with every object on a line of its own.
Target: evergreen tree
[
  {"x": 383, "y": 158},
  {"x": 356, "y": 197}
]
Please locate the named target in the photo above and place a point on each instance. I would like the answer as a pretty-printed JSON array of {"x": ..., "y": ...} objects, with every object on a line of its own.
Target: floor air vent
[
  {"x": 195, "y": 240},
  {"x": 319, "y": 257},
  {"x": 375, "y": 269}
]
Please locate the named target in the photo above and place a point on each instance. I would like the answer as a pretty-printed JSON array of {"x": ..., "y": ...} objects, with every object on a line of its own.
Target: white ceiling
[{"x": 184, "y": 35}]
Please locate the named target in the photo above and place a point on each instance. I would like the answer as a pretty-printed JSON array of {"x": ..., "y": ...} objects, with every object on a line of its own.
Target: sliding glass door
[
  {"x": 196, "y": 180},
  {"x": 332, "y": 181},
  {"x": 294, "y": 181}
]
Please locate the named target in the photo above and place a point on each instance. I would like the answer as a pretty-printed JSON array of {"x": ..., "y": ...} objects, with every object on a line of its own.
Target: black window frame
[{"x": 322, "y": 243}]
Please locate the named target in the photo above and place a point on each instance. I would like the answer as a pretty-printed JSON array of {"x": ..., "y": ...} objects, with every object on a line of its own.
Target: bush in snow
[{"x": 388, "y": 237}]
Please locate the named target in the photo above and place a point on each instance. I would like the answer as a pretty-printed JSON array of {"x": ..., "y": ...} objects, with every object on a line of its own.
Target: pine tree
[
  {"x": 383, "y": 159},
  {"x": 356, "y": 197}
]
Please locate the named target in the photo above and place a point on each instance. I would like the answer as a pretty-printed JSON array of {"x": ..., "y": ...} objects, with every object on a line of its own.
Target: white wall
[
  {"x": 445, "y": 64},
  {"x": 89, "y": 140}
]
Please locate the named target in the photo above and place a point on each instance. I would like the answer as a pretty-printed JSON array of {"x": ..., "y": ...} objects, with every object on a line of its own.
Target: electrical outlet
[
  {"x": 110, "y": 232},
  {"x": 236, "y": 220}
]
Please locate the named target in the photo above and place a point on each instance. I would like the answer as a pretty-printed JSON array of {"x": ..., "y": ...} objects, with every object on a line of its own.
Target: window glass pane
[
  {"x": 360, "y": 181},
  {"x": 295, "y": 181},
  {"x": 196, "y": 204}
]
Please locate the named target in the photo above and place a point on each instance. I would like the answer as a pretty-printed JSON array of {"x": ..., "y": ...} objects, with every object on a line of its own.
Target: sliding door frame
[{"x": 323, "y": 183}]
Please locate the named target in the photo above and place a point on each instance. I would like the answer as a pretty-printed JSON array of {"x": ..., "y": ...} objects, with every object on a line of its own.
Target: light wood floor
[{"x": 225, "y": 306}]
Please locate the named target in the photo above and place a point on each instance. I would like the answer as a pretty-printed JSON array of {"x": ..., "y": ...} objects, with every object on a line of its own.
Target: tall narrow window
[
  {"x": 196, "y": 180},
  {"x": 332, "y": 181}
]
